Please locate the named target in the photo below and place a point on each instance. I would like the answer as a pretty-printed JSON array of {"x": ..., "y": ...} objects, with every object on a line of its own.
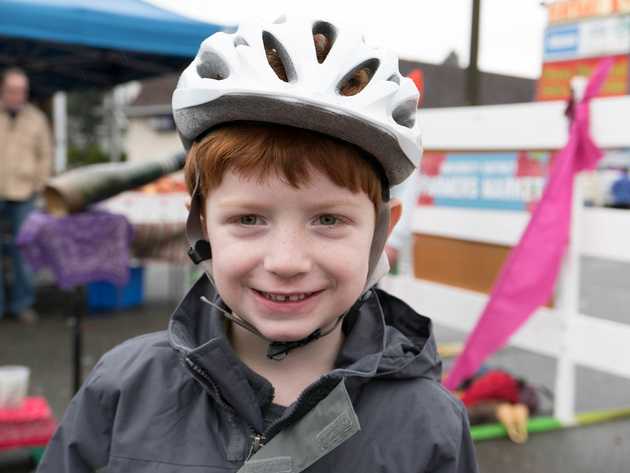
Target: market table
[{"x": 99, "y": 244}]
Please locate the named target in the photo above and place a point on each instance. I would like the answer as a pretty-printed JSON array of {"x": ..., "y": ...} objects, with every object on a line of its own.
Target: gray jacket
[{"x": 181, "y": 401}]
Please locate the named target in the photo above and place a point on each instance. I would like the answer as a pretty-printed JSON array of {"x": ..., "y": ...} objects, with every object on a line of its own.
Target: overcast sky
[{"x": 425, "y": 30}]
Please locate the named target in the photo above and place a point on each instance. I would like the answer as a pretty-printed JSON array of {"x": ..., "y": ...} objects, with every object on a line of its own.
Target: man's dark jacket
[{"x": 181, "y": 401}]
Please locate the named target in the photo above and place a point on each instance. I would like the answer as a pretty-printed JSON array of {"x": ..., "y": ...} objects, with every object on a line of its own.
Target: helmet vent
[
  {"x": 240, "y": 41},
  {"x": 405, "y": 113},
  {"x": 394, "y": 78},
  {"x": 278, "y": 58},
  {"x": 212, "y": 66},
  {"x": 358, "y": 78},
  {"x": 324, "y": 35}
]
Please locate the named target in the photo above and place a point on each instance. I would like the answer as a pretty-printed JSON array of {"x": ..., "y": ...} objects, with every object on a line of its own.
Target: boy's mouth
[{"x": 293, "y": 297}]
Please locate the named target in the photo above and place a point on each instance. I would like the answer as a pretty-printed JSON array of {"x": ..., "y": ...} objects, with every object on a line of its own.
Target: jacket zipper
[
  {"x": 206, "y": 378},
  {"x": 258, "y": 440}
]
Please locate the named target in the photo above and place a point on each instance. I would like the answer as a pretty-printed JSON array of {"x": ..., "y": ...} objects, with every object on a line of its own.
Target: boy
[{"x": 283, "y": 357}]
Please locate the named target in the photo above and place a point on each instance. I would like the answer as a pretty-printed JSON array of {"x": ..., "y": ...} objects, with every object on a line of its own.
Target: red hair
[{"x": 259, "y": 150}]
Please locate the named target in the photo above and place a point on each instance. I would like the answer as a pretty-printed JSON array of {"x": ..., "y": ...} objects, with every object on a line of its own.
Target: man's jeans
[{"x": 22, "y": 294}]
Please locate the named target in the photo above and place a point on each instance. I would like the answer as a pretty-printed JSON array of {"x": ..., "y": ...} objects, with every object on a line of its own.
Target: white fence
[{"x": 561, "y": 332}]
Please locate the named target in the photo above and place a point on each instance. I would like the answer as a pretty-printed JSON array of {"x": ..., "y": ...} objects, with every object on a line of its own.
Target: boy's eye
[
  {"x": 327, "y": 220},
  {"x": 249, "y": 219}
]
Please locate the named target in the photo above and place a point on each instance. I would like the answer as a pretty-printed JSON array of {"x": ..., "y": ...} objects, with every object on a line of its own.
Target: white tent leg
[
  {"x": 60, "y": 129},
  {"x": 112, "y": 106}
]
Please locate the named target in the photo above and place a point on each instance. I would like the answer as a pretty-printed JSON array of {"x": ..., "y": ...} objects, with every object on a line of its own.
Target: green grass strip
[
  {"x": 495, "y": 431},
  {"x": 547, "y": 424}
]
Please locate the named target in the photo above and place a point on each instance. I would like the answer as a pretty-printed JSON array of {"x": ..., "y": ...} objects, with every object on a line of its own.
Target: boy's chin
[{"x": 286, "y": 334}]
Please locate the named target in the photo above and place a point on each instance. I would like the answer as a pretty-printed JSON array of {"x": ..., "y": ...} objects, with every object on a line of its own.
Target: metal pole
[
  {"x": 472, "y": 73},
  {"x": 77, "y": 337},
  {"x": 60, "y": 127},
  {"x": 111, "y": 106}
]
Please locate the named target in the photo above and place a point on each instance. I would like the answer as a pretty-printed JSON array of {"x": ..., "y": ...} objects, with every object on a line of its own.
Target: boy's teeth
[{"x": 284, "y": 298}]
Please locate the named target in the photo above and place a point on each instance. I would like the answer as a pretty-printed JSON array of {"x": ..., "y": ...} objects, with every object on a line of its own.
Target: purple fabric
[
  {"x": 528, "y": 276},
  {"x": 78, "y": 249}
]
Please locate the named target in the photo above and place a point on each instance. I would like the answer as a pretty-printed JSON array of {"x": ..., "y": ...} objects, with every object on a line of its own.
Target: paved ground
[{"x": 600, "y": 448}]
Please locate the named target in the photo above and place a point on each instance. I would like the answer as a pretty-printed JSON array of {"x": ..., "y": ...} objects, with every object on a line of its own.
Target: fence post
[
  {"x": 569, "y": 293},
  {"x": 568, "y": 308}
]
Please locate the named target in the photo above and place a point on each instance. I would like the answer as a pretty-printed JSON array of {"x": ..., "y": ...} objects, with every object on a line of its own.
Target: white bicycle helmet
[{"x": 231, "y": 80}]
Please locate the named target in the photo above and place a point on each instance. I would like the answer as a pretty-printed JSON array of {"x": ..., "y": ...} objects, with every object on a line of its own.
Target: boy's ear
[{"x": 395, "y": 211}]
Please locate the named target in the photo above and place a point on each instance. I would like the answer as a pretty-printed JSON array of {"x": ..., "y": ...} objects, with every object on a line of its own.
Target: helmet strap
[
  {"x": 279, "y": 350},
  {"x": 199, "y": 249},
  {"x": 377, "y": 264},
  {"x": 276, "y": 351}
]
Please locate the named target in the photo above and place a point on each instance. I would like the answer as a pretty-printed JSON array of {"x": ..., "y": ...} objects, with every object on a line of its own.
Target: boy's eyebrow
[
  {"x": 241, "y": 203},
  {"x": 335, "y": 204},
  {"x": 255, "y": 205}
]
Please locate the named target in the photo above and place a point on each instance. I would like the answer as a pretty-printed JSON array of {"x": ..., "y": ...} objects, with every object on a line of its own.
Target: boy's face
[{"x": 288, "y": 260}]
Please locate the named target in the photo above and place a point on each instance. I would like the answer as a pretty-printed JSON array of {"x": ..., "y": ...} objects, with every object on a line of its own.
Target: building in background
[{"x": 150, "y": 126}]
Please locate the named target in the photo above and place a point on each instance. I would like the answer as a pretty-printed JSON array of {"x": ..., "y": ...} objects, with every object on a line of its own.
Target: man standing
[{"x": 25, "y": 165}]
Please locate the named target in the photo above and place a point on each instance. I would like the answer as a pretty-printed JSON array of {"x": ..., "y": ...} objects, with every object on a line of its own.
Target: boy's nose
[{"x": 288, "y": 257}]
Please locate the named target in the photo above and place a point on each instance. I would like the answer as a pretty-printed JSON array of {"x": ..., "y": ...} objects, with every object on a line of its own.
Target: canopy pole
[
  {"x": 60, "y": 130},
  {"x": 113, "y": 111}
]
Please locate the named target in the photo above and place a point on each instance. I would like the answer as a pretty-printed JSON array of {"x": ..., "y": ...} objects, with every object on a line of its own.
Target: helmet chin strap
[
  {"x": 201, "y": 252},
  {"x": 276, "y": 350}
]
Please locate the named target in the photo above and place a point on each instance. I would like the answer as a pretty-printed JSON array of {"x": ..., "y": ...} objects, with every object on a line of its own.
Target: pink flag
[{"x": 529, "y": 274}]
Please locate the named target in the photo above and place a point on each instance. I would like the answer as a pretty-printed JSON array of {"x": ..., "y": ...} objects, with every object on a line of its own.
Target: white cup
[{"x": 13, "y": 385}]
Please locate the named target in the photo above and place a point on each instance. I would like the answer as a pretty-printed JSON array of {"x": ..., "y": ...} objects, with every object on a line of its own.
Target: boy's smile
[
  {"x": 289, "y": 260},
  {"x": 280, "y": 303}
]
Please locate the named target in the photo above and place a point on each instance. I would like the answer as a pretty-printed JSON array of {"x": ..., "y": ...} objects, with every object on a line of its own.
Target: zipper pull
[{"x": 258, "y": 440}]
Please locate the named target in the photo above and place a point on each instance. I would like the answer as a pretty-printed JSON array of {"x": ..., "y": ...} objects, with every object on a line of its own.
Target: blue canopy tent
[{"x": 73, "y": 44}]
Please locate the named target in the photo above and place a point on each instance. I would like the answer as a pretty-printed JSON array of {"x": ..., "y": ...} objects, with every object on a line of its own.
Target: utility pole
[{"x": 472, "y": 73}]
